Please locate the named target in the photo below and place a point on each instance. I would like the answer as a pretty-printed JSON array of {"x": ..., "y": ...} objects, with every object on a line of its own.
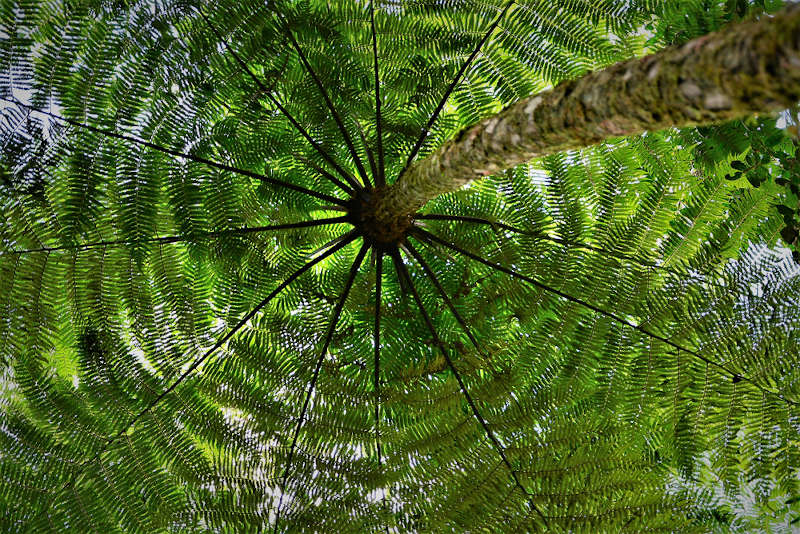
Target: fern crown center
[{"x": 379, "y": 227}]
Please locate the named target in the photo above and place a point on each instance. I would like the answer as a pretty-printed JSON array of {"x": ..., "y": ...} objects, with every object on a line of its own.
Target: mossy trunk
[{"x": 745, "y": 69}]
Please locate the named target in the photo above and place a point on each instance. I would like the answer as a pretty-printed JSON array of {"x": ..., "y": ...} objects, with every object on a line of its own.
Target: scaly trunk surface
[{"x": 745, "y": 69}]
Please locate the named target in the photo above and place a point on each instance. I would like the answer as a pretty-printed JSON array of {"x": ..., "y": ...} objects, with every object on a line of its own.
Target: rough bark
[{"x": 745, "y": 69}]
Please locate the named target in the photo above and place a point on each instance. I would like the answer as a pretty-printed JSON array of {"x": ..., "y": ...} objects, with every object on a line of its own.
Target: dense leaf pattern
[{"x": 199, "y": 336}]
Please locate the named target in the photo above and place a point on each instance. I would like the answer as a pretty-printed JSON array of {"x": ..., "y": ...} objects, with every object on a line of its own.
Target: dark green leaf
[
  {"x": 789, "y": 234},
  {"x": 739, "y": 165}
]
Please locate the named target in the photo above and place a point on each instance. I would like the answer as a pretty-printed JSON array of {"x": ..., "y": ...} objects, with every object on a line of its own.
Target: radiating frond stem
[
  {"x": 538, "y": 235},
  {"x": 333, "y": 208},
  {"x": 16, "y": 128},
  {"x": 376, "y": 343},
  {"x": 402, "y": 271},
  {"x": 330, "y": 243},
  {"x": 552, "y": 239},
  {"x": 461, "y": 71},
  {"x": 179, "y": 154},
  {"x": 673, "y": 88},
  {"x": 123, "y": 262},
  {"x": 349, "y": 238},
  {"x": 370, "y": 156},
  {"x": 328, "y": 336},
  {"x": 380, "y": 179},
  {"x": 427, "y": 237},
  {"x": 432, "y": 276},
  {"x": 341, "y": 185},
  {"x": 268, "y": 93},
  {"x": 334, "y": 113},
  {"x": 200, "y": 236}
]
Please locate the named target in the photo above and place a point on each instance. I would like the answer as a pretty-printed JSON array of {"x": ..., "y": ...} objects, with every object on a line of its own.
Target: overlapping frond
[{"x": 196, "y": 336}]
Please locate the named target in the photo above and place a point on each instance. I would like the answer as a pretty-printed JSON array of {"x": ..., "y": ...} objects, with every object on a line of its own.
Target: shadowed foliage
[{"x": 205, "y": 330}]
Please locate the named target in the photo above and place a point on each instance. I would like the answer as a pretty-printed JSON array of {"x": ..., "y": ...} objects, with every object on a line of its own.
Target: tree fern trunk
[{"x": 746, "y": 69}]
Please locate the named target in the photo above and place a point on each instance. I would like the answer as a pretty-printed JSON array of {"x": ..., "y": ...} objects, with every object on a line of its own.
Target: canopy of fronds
[{"x": 600, "y": 341}]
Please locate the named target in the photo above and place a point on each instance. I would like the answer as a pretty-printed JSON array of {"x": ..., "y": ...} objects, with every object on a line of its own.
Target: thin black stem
[
  {"x": 328, "y": 336},
  {"x": 424, "y": 133},
  {"x": 330, "y": 243},
  {"x": 376, "y": 342},
  {"x": 176, "y": 153},
  {"x": 427, "y": 237},
  {"x": 11, "y": 135},
  {"x": 403, "y": 272},
  {"x": 350, "y": 237},
  {"x": 464, "y": 326},
  {"x": 576, "y": 244},
  {"x": 268, "y": 93},
  {"x": 380, "y": 179},
  {"x": 539, "y": 235},
  {"x": 543, "y": 236},
  {"x": 368, "y": 150},
  {"x": 336, "y": 117},
  {"x": 176, "y": 239},
  {"x": 341, "y": 185},
  {"x": 333, "y": 208},
  {"x": 430, "y": 274}
]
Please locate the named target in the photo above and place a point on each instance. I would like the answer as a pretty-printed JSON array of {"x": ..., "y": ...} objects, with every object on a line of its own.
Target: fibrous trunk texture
[{"x": 745, "y": 69}]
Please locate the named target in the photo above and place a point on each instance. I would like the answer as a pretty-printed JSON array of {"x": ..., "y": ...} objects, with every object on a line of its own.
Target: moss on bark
[{"x": 745, "y": 69}]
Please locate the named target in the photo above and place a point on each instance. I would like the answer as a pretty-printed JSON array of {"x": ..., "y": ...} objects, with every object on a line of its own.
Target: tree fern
[{"x": 207, "y": 325}]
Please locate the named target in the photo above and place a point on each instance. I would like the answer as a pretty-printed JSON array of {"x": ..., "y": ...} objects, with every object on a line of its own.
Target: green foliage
[{"x": 636, "y": 370}]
